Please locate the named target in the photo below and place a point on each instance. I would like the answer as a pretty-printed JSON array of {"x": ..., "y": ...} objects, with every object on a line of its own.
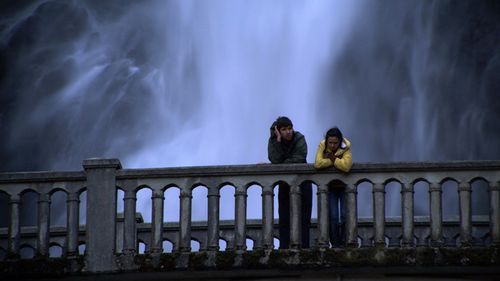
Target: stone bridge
[{"x": 430, "y": 243}]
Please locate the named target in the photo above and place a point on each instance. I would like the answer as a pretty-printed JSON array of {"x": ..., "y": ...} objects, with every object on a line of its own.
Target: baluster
[
  {"x": 43, "y": 224},
  {"x": 379, "y": 214},
  {"x": 72, "y": 223},
  {"x": 129, "y": 222},
  {"x": 267, "y": 217},
  {"x": 213, "y": 218},
  {"x": 464, "y": 193},
  {"x": 436, "y": 215},
  {"x": 407, "y": 193},
  {"x": 495, "y": 213},
  {"x": 14, "y": 226},
  {"x": 323, "y": 216},
  {"x": 157, "y": 219},
  {"x": 295, "y": 217},
  {"x": 241, "y": 216},
  {"x": 351, "y": 216},
  {"x": 185, "y": 217}
]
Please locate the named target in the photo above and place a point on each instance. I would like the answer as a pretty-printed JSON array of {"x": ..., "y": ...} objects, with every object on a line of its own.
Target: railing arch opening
[
  {"x": 120, "y": 195},
  {"x": 55, "y": 250},
  {"x": 226, "y": 202},
  {"x": 81, "y": 248},
  {"x": 276, "y": 242},
  {"x": 29, "y": 208},
  {"x": 27, "y": 251},
  {"x": 143, "y": 203},
  {"x": 168, "y": 246},
  {"x": 254, "y": 202},
  {"x": 450, "y": 203},
  {"x": 58, "y": 210},
  {"x": 171, "y": 204},
  {"x": 82, "y": 217},
  {"x": 222, "y": 245},
  {"x": 199, "y": 204},
  {"x": 421, "y": 198},
  {"x": 195, "y": 245},
  {"x": 141, "y": 246},
  {"x": 250, "y": 244},
  {"x": 480, "y": 197},
  {"x": 4, "y": 209},
  {"x": 393, "y": 199}
]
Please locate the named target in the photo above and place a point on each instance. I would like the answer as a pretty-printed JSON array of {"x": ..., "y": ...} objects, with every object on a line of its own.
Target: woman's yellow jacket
[{"x": 343, "y": 160}]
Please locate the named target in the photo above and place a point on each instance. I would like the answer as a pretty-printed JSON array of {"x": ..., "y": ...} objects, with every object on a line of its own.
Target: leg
[
  {"x": 306, "y": 200},
  {"x": 333, "y": 201},
  {"x": 342, "y": 217},
  {"x": 284, "y": 215}
]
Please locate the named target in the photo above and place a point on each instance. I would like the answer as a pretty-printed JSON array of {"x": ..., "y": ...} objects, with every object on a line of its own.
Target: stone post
[
  {"x": 101, "y": 214},
  {"x": 379, "y": 214},
  {"x": 464, "y": 199},
  {"x": 267, "y": 218},
  {"x": 323, "y": 217},
  {"x": 240, "y": 216},
  {"x": 72, "y": 223},
  {"x": 14, "y": 226},
  {"x": 495, "y": 213},
  {"x": 436, "y": 215},
  {"x": 185, "y": 220},
  {"x": 407, "y": 194},
  {"x": 157, "y": 219},
  {"x": 43, "y": 225},
  {"x": 213, "y": 218},
  {"x": 295, "y": 217},
  {"x": 351, "y": 216},
  {"x": 129, "y": 222}
]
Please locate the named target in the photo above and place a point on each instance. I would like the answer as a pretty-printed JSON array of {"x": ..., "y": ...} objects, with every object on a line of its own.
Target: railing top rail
[
  {"x": 42, "y": 176},
  {"x": 253, "y": 169},
  {"x": 274, "y": 169}
]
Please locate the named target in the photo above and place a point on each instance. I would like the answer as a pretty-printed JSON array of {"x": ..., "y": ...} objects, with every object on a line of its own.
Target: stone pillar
[
  {"x": 436, "y": 215},
  {"x": 101, "y": 214},
  {"x": 185, "y": 220},
  {"x": 407, "y": 193},
  {"x": 495, "y": 213},
  {"x": 295, "y": 217},
  {"x": 43, "y": 225},
  {"x": 241, "y": 217},
  {"x": 129, "y": 222},
  {"x": 156, "y": 246},
  {"x": 323, "y": 217},
  {"x": 72, "y": 223},
  {"x": 379, "y": 214},
  {"x": 464, "y": 199},
  {"x": 14, "y": 226},
  {"x": 267, "y": 218},
  {"x": 351, "y": 216},
  {"x": 213, "y": 218}
]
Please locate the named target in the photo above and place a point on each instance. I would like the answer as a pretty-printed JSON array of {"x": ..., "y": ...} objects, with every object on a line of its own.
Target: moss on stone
[
  {"x": 167, "y": 261},
  {"x": 225, "y": 260},
  {"x": 197, "y": 260}
]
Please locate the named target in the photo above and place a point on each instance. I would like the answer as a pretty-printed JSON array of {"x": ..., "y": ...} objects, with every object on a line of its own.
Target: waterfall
[{"x": 180, "y": 83}]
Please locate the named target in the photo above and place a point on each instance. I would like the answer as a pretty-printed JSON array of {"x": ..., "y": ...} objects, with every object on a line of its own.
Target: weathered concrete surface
[{"x": 483, "y": 262}]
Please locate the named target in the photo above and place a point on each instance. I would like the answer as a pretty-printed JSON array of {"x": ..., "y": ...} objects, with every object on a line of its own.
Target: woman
[{"x": 335, "y": 151}]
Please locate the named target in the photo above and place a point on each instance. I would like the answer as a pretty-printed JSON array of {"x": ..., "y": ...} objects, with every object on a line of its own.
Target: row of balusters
[{"x": 184, "y": 241}]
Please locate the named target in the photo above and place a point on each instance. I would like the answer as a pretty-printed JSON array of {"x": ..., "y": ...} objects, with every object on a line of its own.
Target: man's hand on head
[{"x": 277, "y": 133}]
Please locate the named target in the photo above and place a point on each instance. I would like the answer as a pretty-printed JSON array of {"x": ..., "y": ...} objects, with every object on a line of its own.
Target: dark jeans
[
  {"x": 336, "y": 197},
  {"x": 284, "y": 213}
]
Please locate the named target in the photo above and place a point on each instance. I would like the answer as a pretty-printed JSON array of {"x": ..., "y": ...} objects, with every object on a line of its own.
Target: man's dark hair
[
  {"x": 283, "y": 121},
  {"x": 334, "y": 132}
]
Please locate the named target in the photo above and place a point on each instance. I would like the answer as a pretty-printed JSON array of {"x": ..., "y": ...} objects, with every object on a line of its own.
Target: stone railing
[{"x": 111, "y": 242}]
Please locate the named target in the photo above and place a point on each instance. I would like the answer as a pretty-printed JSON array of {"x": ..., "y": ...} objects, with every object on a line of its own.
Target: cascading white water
[{"x": 171, "y": 83}]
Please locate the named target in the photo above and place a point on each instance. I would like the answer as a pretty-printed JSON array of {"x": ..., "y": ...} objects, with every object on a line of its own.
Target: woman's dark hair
[{"x": 334, "y": 132}]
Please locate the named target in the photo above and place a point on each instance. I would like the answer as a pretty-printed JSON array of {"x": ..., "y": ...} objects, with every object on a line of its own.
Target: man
[{"x": 288, "y": 146}]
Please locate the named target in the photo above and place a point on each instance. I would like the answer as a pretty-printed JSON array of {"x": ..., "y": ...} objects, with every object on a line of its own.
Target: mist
[{"x": 189, "y": 83}]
